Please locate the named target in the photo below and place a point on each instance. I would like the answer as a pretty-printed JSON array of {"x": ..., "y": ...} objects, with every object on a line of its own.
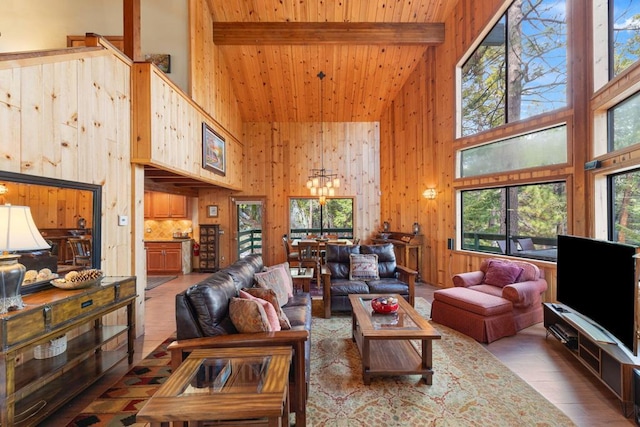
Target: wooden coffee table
[
  {"x": 234, "y": 386},
  {"x": 384, "y": 340}
]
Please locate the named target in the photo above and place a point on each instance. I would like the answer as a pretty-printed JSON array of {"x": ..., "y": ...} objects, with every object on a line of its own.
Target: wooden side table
[
  {"x": 302, "y": 278},
  {"x": 244, "y": 385}
]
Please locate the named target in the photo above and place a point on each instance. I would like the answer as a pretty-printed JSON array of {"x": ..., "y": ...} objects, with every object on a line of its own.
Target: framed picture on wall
[
  {"x": 213, "y": 150},
  {"x": 212, "y": 211}
]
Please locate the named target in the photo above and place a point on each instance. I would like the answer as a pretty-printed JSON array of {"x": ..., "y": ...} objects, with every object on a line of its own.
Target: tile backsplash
[{"x": 164, "y": 229}]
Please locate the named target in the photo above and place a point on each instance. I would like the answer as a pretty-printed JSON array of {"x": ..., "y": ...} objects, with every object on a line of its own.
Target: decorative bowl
[
  {"x": 65, "y": 284},
  {"x": 384, "y": 305}
]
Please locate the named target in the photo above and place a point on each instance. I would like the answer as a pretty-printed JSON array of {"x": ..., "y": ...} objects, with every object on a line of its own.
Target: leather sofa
[
  {"x": 203, "y": 321},
  {"x": 336, "y": 285},
  {"x": 487, "y": 304}
]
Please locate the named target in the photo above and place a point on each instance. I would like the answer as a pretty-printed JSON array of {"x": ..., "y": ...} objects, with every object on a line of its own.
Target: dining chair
[
  {"x": 292, "y": 256},
  {"x": 81, "y": 250},
  {"x": 309, "y": 255}
]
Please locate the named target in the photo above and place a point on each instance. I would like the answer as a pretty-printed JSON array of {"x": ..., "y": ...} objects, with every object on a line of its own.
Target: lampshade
[
  {"x": 429, "y": 193},
  {"x": 18, "y": 232}
]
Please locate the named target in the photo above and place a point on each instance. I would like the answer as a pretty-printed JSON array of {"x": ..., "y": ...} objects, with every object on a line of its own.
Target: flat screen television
[{"x": 597, "y": 279}]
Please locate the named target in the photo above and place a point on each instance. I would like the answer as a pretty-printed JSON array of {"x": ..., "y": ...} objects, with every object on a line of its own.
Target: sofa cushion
[
  {"x": 270, "y": 296},
  {"x": 270, "y": 311},
  {"x": 277, "y": 280},
  {"x": 474, "y": 302},
  {"x": 338, "y": 260},
  {"x": 386, "y": 258},
  {"x": 363, "y": 267},
  {"x": 285, "y": 266},
  {"x": 248, "y": 316},
  {"x": 502, "y": 273},
  {"x": 210, "y": 302}
]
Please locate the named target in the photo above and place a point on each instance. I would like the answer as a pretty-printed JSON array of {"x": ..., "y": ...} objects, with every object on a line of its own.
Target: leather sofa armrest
[
  {"x": 258, "y": 339},
  {"x": 524, "y": 294},
  {"x": 469, "y": 278}
]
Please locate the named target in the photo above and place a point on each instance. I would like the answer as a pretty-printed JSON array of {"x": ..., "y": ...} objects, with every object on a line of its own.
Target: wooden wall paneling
[{"x": 70, "y": 120}]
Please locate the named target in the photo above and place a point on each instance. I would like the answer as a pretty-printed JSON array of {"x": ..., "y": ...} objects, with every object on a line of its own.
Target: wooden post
[{"x": 131, "y": 27}]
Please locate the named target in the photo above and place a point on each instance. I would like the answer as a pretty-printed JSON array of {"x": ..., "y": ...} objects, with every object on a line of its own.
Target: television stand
[{"x": 608, "y": 362}]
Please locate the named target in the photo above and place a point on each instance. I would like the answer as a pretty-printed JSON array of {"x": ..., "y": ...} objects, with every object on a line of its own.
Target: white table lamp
[{"x": 18, "y": 232}]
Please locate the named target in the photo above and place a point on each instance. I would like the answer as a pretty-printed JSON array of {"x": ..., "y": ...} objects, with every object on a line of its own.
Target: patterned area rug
[{"x": 470, "y": 387}]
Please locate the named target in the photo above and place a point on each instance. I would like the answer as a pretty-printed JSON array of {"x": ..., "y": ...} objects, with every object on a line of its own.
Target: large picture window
[
  {"x": 518, "y": 221},
  {"x": 624, "y": 126},
  {"x": 624, "y": 192},
  {"x": 308, "y": 217},
  {"x": 519, "y": 70}
]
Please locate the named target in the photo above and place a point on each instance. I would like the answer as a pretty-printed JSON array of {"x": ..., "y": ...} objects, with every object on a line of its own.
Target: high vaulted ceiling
[{"x": 367, "y": 49}]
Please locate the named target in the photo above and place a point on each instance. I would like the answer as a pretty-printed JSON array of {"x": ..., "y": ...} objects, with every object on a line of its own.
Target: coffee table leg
[
  {"x": 427, "y": 361},
  {"x": 366, "y": 365}
]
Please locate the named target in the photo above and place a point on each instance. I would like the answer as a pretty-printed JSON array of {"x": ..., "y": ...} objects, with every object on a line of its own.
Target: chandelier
[{"x": 322, "y": 182}]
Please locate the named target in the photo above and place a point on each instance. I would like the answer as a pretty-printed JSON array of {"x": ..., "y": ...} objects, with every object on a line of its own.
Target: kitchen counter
[{"x": 186, "y": 250}]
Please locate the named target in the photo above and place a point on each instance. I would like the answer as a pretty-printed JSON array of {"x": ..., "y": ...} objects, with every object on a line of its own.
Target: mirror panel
[{"x": 61, "y": 210}]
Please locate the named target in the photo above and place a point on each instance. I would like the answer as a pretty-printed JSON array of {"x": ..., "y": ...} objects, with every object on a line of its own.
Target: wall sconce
[
  {"x": 3, "y": 189},
  {"x": 429, "y": 193}
]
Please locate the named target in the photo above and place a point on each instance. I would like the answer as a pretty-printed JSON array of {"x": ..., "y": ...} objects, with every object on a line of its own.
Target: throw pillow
[
  {"x": 248, "y": 316},
  {"x": 287, "y": 270},
  {"x": 270, "y": 296},
  {"x": 269, "y": 310},
  {"x": 501, "y": 273},
  {"x": 363, "y": 267},
  {"x": 275, "y": 279}
]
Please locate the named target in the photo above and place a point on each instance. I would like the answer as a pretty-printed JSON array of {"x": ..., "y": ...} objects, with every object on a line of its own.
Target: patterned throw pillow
[
  {"x": 277, "y": 280},
  {"x": 270, "y": 296},
  {"x": 363, "y": 267},
  {"x": 287, "y": 270},
  {"x": 248, "y": 316},
  {"x": 272, "y": 316}
]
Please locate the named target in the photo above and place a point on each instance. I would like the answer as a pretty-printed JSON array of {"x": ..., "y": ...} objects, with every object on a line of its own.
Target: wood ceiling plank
[{"x": 298, "y": 33}]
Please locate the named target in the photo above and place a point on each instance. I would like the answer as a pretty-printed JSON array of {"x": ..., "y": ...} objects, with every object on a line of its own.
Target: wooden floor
[{"x": 543, "y": 362}]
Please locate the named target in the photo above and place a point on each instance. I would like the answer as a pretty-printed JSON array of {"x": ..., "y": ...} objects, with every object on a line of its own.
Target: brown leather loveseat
[
  {"x": 337, "y": 285},
  {"x": 203, "y": 321}
]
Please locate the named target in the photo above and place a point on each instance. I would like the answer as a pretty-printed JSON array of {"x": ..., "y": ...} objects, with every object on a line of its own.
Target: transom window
[
  {"x": 519, "y": 70},
  {"x": 518, "y": 220},
  {"x": 624, "y": 34}
]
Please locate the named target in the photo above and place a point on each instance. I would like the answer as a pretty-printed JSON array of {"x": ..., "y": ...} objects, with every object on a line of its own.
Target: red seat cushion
[{"x": 473, "y": 301}]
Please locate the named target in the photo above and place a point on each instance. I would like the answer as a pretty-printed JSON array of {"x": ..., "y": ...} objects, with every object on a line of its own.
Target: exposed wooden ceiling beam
[{"x": 343, "y": 33}]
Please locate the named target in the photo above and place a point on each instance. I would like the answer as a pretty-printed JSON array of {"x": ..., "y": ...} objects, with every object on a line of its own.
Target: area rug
[
  {"x": 155, "y": 281},
  {"x": 471, "y": 387}
]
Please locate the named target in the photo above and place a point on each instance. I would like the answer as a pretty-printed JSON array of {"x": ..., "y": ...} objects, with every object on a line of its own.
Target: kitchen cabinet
[
  {"x": 209, "y": 248},
  {"x": 148, "y": 201},
  {"x": 164, "y": 205},
  {"x": 32, "y": 389},
  {"x": 164, "y": 257}
]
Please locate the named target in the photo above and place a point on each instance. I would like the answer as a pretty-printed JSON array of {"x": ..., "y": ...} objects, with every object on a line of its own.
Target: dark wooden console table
[
  {"x": 404, "y": 243},
  {"x": 32, "y": 389}
]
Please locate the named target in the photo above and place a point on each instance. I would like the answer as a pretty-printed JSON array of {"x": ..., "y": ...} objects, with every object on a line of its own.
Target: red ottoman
[{"x": 483, "y": 317}]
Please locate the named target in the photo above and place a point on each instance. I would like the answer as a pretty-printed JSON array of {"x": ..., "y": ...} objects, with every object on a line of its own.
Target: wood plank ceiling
[{"x": 274, "y": 50}]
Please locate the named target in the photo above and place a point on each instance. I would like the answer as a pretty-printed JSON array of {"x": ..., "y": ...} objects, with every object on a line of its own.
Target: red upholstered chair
[{"x": 498, "y": 283}]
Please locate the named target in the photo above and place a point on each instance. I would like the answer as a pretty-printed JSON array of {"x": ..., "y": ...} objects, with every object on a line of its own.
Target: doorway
[{"x": 248, "y": 223}]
